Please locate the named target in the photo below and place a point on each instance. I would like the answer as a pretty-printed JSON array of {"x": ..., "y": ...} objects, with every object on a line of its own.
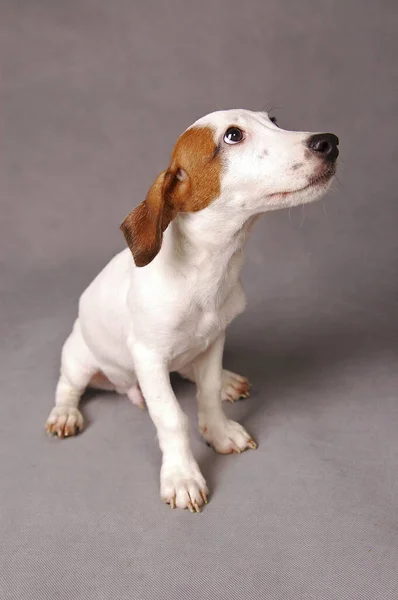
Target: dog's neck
[
  {"x": 208, "y": 247},
  {"x": 207, "y": 235}
]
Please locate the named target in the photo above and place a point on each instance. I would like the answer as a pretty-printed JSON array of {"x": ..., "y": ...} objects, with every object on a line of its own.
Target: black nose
[{"x": 324, "y": 144}]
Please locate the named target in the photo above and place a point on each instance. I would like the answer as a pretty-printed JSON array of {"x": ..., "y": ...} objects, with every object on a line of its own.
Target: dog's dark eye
[
  {"x": 233, "y": 135},
  {"x": 275, "y": 122}
]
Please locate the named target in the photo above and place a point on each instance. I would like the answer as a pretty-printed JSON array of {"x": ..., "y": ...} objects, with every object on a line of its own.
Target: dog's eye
[
  {"x": 274, "y": 121},
  {"x": 233, "y": 135}
]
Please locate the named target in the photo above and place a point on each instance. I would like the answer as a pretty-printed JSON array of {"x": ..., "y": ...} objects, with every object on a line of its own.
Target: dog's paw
[
  {"x": 183, "y": 487},
  {"x": 227, "y": 437},
  {"x": 135, "y": 396},
  {"x": 234, "y": 387},
  {"x": 64, "y": 421}
]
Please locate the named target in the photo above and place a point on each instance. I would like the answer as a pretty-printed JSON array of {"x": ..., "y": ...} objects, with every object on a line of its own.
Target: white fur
[{"x": 139, "y": 324}]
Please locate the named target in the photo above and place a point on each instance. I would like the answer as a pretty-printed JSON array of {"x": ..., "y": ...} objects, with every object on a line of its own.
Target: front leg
[
  {"x": 224, "y": 435},
  {"x": 181, "y": 482}
]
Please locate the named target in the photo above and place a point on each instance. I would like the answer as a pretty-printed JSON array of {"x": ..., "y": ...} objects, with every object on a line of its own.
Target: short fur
[{"x": 164, "y": 303}]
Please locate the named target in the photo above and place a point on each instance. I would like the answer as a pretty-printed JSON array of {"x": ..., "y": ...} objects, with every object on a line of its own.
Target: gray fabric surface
[{"x": 94, "y": 95}]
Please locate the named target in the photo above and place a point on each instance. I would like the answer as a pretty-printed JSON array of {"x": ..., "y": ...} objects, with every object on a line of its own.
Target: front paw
[
  {"x": 227, "y": 437},
  {"x": 183, "y": 486},
  {"x": 64, "y": 421}
]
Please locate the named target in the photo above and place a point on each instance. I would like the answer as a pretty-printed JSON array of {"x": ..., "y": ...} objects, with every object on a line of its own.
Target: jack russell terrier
[{"x": 164, "y": 303}]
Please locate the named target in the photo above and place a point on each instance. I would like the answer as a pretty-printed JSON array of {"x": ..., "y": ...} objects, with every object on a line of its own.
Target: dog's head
[{"x": 240, "y": 160}]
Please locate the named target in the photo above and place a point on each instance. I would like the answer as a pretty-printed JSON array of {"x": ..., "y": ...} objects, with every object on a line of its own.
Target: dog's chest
[
  {"x": 204, "y": 325},
  {"x": 201, "y": 327},
  {"x": 193, "y": 335}
]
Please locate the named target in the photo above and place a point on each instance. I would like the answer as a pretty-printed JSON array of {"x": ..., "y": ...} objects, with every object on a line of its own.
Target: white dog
[{"x": 167, "y": 310}]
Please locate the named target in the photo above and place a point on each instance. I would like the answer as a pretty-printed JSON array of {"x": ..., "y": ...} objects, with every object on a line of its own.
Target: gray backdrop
[{"x": 94, "y": 94}]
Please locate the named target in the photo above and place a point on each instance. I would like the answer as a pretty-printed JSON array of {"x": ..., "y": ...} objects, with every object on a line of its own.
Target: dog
[{"x": 162, "y": 305}]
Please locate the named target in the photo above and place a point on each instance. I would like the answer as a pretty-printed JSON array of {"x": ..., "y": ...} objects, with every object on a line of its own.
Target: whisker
[
  {"x": 338, "y": 181},
  {"x": 269, "y": 108},
  {"x": 302, "y": 215}
]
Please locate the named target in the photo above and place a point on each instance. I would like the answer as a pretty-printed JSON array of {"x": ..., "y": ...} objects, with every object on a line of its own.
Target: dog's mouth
[
  {"x": 314, "y": 182},
  {"x": 324, "y": 177}
]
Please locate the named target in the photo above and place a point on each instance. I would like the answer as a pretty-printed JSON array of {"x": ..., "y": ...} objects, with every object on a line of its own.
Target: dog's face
[
  {"x": 265, "y": 167},
  {"x": 238, "y": 162}
]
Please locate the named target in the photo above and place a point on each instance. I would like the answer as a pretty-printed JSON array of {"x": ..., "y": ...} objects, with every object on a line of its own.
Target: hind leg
[
  {"x": 78, "y": 366},
  {"x": 122, "y": 382},
  {"x": 234, "y": 387}
]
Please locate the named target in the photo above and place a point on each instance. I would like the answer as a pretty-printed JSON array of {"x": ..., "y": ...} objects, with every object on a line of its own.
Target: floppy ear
[
  {"x": 143, "y": 228},
  {"x": 190, "y": 183}
]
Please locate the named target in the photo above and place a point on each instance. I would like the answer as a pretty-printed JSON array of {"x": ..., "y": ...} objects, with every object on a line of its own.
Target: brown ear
[
  {"x": 191, "y": 182},
  {"x": 143, "y": 228}
]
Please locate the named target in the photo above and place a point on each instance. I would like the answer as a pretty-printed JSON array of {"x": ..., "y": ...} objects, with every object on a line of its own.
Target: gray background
[{"x": 94, "y": 94}]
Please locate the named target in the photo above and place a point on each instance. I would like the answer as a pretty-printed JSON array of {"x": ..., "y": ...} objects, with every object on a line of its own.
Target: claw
[
  {"x": 173, "y": 502},
  {"x": 235, "y": 448},
  {"x": 191, "y": 508},
  {"x": 252, "y": 444},
  {"x": 196, "y": 506},
  {"x": 204, "y": 497}
]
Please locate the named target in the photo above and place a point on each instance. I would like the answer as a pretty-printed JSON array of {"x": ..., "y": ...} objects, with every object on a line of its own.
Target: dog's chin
[
  {"x": 314, "y": 190},
  {"x": 310, "y": 193}
]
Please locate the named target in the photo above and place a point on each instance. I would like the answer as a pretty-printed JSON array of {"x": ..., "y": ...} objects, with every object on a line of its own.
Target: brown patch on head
[
  {"x": 191, "y": 183},
  {"x": 195, "y": 153}
]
